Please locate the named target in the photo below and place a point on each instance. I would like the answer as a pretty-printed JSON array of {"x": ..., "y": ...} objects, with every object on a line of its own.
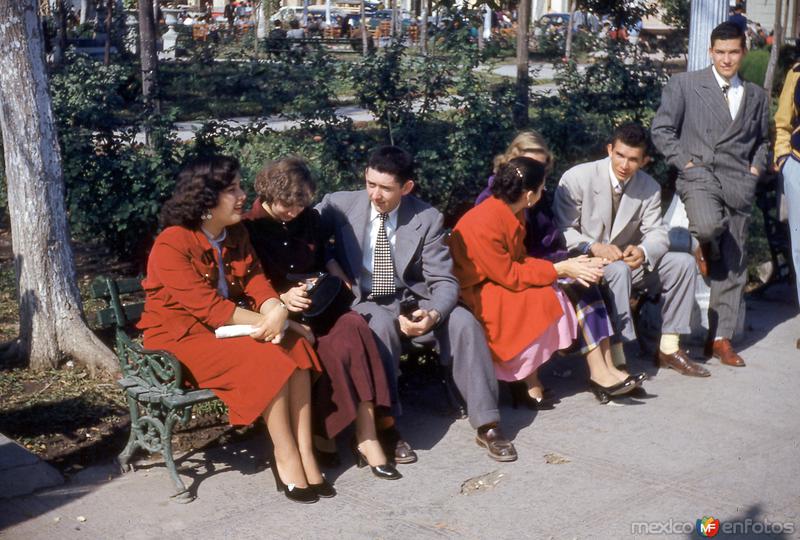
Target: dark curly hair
[
  {"x": 287, "y": 181},
  {"x": 517, "y": 176},
  {"x": 197, "y": 190},
  {"x": 392, "y": 160}
]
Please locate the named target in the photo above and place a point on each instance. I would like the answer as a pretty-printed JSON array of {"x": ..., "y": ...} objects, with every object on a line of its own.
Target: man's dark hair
[
  {"x": 632, "y": 134},
  {"x": 197, "y": 190},
  {"x": 392, "y": 160},
  {"x": 519, "y": 175},
  {"x": 727, "y": 30},
  {"x": 278, "y": 23}
]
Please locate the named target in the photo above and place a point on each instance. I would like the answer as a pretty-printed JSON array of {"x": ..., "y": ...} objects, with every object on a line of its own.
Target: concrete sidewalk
[{"x": 725, "y": 447}]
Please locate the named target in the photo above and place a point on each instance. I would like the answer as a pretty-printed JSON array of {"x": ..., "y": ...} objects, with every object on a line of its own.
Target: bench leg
[
  {"x": 125, "y": 456},
  {"x": 182, "y": 494}
]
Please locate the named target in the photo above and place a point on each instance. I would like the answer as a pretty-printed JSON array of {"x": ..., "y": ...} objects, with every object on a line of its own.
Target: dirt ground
[{"x": 63, "y": 415}]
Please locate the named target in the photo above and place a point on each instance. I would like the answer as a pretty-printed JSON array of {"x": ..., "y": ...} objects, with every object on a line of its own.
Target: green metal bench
[{"x": 153, "y": 381}]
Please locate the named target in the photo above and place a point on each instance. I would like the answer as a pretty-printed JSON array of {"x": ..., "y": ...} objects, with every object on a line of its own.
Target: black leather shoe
[
  {"x": 324, "y": 490},
  {"x": 305, "y": 495},
  {"x": 637, "y": 378},
  {"x": 387, "y": 471},
  {"x": 605, "y": 393},
  {"x": 521, "y": 397}
]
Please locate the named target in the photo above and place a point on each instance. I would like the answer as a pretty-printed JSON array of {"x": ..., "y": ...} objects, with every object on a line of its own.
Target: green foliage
[
  {"x": 619, "y": 87},
  {"x": 676, "y": 13},
  {"x": 621, "y": 12},
  {"x": 114, "y": 184},
  {"x": 754, "y": 66}
]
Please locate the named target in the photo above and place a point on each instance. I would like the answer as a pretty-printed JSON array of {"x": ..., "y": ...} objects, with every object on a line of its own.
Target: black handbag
[{"x": 330, "y": 299}]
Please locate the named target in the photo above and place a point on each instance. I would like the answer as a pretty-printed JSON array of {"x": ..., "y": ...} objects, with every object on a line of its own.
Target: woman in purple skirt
[{"x": 544, "y": 241}]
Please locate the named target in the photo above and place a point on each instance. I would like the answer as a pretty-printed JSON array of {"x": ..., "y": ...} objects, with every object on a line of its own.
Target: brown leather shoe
[
  {"x": 395, "y": 447},
  {"x": 723, "y": 350},
  {"x": 499, "y": 448},
  {"x": 701, "y": 257},
  {"x": 680, "y": 362}
]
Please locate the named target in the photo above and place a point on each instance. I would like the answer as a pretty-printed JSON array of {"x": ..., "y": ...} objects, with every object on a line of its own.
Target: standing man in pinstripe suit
[{"x": 713, "y": 128}]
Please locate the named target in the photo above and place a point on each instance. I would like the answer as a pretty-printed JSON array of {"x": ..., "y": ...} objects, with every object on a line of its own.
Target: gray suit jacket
[
  {"x": 422, "y": 260},
  {"x": 693, "y": 124},
  {"x": 583, "y": 209}
]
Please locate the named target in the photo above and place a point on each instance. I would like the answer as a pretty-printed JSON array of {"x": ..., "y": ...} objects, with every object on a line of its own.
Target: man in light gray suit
[
  {"x": 391, "y": 246},
  {"x": 713, "y": 128},
  {"x": 611, "y": 209}
]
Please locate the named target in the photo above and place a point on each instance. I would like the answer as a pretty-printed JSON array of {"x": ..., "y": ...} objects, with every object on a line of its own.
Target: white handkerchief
[{"x": 233, "y": 330}]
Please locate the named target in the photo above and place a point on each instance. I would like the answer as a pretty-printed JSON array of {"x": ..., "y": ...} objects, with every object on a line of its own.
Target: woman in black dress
[{"x": 285, "y": 233}]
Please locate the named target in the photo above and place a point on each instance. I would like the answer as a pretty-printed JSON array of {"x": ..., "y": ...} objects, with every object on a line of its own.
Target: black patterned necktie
[
  {"x": 725, "y": 88},
  {"x": 382, "y": 263}
]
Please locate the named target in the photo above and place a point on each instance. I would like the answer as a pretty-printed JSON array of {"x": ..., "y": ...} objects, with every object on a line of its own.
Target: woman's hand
[
  {"x": 272, "y": 321},
  {"x": 585, "y": 270},
  {"x": 296, "y": 299},
  {"x": 303, "y": 330}
]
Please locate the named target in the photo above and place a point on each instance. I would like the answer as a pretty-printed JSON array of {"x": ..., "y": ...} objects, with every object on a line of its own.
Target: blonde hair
[{"x": 525, "y": 142}]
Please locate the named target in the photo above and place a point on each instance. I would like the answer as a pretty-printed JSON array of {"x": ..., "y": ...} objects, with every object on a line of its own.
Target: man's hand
[
  {"x": 296, "y": 299},
  {"x": 606, "y": 251},
  {"x": 688, "y": 166},
  {"x": 754, "y": 171},
  {"x": 633, "y": 256},
  {"x": 421, "y": 322}
]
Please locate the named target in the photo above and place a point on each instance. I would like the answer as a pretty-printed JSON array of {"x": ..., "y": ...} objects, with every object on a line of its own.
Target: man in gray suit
[
  {"x": 611, "y": 209},
  {"x": 713, "y": 128},
  {"x": 391, "y": 246}
]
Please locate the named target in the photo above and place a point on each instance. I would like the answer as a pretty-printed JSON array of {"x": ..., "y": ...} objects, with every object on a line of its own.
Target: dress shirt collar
[
  {"x": 735, "y": 81},
  {"x": 615, "y": 182},
  {"x": 391, "y": 219}
]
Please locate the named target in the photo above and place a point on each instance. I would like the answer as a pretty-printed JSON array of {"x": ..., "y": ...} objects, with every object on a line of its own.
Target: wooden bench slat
[
  {"x": 106, "y": 318},
  {"x": 99, "y": 286}
]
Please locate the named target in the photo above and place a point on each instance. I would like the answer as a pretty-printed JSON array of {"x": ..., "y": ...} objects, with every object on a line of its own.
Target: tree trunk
[
  {"x": 84, "y": 11},
  {"x": 523, "y": 83},
  {"x": 777, "y": 39},
  {"x": 568, "y": 44},
  {"x": 149, "y": 58},
  {"x": 393, "y": 19},
  {"x": 60, "y": 17},
  {"x": 52, "y": 326},
  {"x": 109, "y": 17},
  {"x": 364, "y": 36},
  {"x": 423, "y": 31}
]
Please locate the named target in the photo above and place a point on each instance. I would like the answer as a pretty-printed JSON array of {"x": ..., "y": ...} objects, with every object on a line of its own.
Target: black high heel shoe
[
  {"x": 637, "y": 378},
  {"x": 520, "y": 396},
  {"x": 306, "y": 495},
  {"x": 387, "y": 471},
  {"x": 324, "y": 490},
  {"x": 605, "y": 393}
]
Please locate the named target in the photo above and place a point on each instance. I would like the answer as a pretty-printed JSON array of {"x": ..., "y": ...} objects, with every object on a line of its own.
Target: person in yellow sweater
[{"x": 787, "y": 157}]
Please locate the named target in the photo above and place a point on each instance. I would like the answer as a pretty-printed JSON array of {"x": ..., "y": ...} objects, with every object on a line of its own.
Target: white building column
[{"x": 705, "y": 15}]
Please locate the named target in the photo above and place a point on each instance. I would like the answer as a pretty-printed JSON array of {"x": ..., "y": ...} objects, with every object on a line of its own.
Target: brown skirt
[{"x": 352, "y": 373}]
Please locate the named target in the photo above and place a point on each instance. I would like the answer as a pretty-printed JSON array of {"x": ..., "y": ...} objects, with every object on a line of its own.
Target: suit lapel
[
  {"x": 359, "y": 241},
  {"x": 709, "y": 91},
  {"x": 406, "y": 237},
  {"x": 602, "y": 191}
]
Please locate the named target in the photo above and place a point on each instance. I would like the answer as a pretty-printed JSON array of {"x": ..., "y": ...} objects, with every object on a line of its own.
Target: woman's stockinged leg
[
  {"x": 605, "y": 346},
  {"x": 366, "y": 434},
  {"x": 535, "y": 388},
  {"x": 287, "y": 457},
  {"x": 300, "y": 414},
  {"x": 598, "y": 367}
]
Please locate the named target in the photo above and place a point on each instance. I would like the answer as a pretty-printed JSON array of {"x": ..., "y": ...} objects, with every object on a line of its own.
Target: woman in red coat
[
  {"x": 203, "y": 274},
  {"x": 526, "y": 316}
]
